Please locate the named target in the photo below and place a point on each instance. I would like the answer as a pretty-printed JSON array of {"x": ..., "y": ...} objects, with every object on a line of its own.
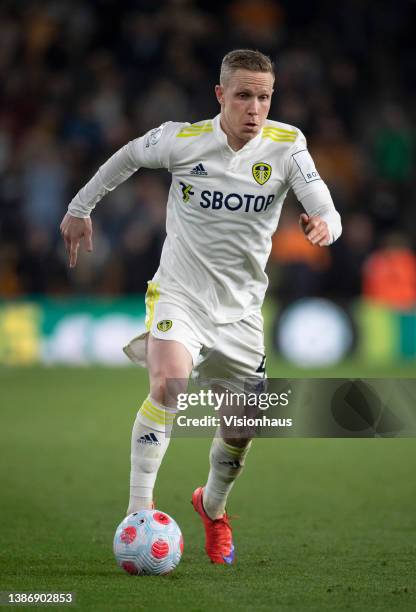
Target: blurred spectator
[
  {"x": 389, "y": 274},
  {"x": 44, "y": 188},
  {"x": 152, "y": 109},
  {"x": 9, "y": 281},
  {"x": 337, "y": 157},
  {"x": 82, "y": 127},
  {"x": 140, "y": 43},
  {"x": 301, "y": 266},
  {"x": 38, "y": 270},
  {"x": 257, "y": 21},
  {"x": 349, "y": 254},
  {"x": 394, "y": 145},
  {"x": 141, "y": 251}
]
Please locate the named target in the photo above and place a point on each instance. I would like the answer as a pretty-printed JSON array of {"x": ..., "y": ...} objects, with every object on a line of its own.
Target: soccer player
[{"x": 230, "y": 176}]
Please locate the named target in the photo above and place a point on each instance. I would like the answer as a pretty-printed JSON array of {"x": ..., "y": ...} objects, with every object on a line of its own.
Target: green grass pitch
[{"x": 322, "y": 524}]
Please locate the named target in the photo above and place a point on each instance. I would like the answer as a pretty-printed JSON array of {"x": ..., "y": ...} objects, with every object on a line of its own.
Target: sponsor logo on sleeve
[
  {"x": 154, "y": 135},
  {"x": 306, "y": 165}
]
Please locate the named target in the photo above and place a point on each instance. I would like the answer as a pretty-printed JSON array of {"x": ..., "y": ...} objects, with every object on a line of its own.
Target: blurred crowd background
[{"x": 79, "y": 79}]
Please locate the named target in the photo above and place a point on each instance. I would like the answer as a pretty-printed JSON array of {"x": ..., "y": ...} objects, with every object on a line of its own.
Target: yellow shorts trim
[{"x": 151, "y": 299}]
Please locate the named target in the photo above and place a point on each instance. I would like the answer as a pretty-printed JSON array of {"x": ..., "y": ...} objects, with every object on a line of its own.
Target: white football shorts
[{"x": 226, "y": 351}]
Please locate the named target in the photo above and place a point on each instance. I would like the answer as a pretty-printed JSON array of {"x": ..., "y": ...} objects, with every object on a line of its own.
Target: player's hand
[
  {"x": 315, "y": 229},
  {"x": 73, "y": 230}
]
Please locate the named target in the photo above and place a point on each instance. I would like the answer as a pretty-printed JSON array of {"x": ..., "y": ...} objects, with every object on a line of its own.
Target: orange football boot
[{"x": 218, "y": 533}]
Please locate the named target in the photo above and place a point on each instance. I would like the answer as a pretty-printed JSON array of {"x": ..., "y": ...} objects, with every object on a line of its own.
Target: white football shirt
[{"x": 222, "y": 210}]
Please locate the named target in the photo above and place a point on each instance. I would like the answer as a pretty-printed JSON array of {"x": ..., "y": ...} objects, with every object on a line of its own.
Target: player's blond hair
[{"x": 245, "y": 59}]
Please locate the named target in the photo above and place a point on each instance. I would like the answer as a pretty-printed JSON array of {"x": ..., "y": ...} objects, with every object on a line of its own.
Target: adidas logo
[
  {"x": 199, "y": 170},
  {"x": 149, "y": 439},
  {"x": 234, "y": 464}
]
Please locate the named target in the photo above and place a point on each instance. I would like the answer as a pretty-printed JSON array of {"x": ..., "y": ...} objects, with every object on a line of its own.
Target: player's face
[{"x": 245, "y": 103}]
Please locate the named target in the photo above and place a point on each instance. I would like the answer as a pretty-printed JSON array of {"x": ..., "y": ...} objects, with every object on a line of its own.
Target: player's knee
[
  {"x": 158, "y": 390},
  {"x": 166, "y": 384}
]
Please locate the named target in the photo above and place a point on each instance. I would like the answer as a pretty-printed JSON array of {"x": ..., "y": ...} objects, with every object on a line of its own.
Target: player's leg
[
  {"x": 227, "y": 453},
  {"x": 242, "y": 348},
  {"x": 226, "y": 459},
  {"x": 226, "y": 463},
  {"x": 239, "y": 356},
  {"x": 167, "y": 361}
]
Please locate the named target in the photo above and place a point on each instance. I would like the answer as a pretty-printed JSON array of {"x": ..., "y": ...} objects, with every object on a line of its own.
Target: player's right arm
[{"x": 153, "y": 150}]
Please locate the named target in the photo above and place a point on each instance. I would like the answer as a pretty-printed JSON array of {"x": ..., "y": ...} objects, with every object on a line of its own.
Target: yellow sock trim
[
  {"x": 236, "y": 451},
  {"x": 155, "y": 414}
]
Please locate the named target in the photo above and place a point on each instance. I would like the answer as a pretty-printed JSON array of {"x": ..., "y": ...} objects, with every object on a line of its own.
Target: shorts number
[{"x": 262, "y": 367}]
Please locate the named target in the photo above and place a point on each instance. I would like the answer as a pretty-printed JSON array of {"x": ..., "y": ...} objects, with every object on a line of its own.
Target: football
[{"x": 149, "y": 543}]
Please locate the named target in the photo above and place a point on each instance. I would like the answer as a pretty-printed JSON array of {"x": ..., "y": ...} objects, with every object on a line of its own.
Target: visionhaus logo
[{"x": 260, "y": 421}]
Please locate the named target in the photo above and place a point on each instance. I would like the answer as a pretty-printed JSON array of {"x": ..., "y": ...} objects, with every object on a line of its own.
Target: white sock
[
  {"x": 226, "y": 463},
  {"x": 149, "y": 442}
]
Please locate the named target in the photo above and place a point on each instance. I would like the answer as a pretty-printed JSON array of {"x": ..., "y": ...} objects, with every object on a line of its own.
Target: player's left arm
[{"x": 321, "y": 223}]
